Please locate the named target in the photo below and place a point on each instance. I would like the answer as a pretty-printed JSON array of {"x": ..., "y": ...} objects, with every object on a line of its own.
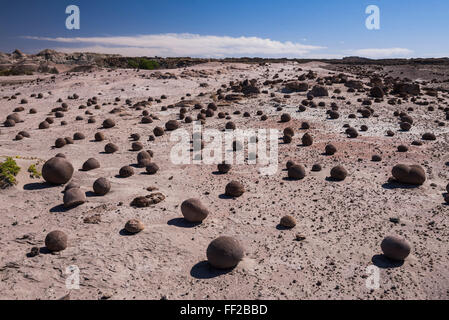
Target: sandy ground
[{"x": 343, "y": 222}]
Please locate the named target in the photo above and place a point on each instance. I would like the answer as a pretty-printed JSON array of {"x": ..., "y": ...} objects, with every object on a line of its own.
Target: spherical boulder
[
  {"x": 158, "y": 131},
  {"x": 288, "y": 222},
  {"x": 224, "y": 253},
  {"x": 305, "y": 125},
  {"x": 137, "y": 146},
  {"x": 60, "y": 142},
  {"x": 414, "y": 174},
  {"x": 108, "y": 123},
  {"x": 230, "y": 125},
  {"x": 126, "y": 172},
  {"x": 79, "y": 136},
  {"x": 330, "y": 149},
  {"x": 71, "y": 185},
  {"x": 395, "y": 248},
  {"x": 289, "y": 131},
  {"x": 44, "y": 125},
  {"x": 224, "y": 167},
  {"x": 339, "y": 173},
  {"x": 234, "y": 189},
  {"x": 91, "y": 164},
  {"x": 110, "y": 148},
  {"x": 352, "y": 132},
  {"x": 101, "y": 186},
  {"x": 285, "y": 117},
  {"x": 99, "y": 136},
  {"x": 289, "y": 164},
  {"x": 56, "y": 241},
  {"x": 429, "y": 136},
  {"x": 134, "y": 226},
  {"x": 152, "y": 168},
  {"x": 333, "y": 114},
  {"x": 296, "y": 172},
  {"x": 172, "y": 125},
  {"x": 9, "y": 123},
  {"x": 25, "y": 134},
  {"x": 194, "y": 211},
  {"x": 405, "y": 126},
  {"x": 143, "y": 159},
  {"x": 287, "y": 139},
  {"x": 57, "y": 170},
  {"x": 74, "y": 197},
  {"x": 307, "y": 140}
]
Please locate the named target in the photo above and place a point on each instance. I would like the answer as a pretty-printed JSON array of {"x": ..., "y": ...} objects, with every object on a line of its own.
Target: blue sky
[{"x": 291, "y": 28}]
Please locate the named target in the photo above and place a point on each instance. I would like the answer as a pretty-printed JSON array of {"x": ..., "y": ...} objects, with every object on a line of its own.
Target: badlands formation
[{"x": 362, "y": 179}]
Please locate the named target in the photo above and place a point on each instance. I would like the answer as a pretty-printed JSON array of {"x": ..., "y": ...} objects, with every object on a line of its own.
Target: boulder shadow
[
  {"x": 91, "y": 194},
  {"x": 218, "y": 173},
  {"x": 392, "y": 184},
  {"x": 38, "y": 186},
  {"x": 225, "y": 197},
  {"x": 59, "y": 208},
  {"x": 104, "y": 152},
  {"x": 381, "y": 261},
  {"x": 203, "y": 270},
  {"x": 182, "y": 223},
  {"x": 125, "y": 233},
  {"x": 43, "y": 250},
  {"x": 330, "y": 179},
  {"x": 290, "y": 179},
  {"x": 282, "y": 228}
]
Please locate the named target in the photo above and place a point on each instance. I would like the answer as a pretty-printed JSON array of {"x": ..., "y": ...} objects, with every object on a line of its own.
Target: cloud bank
[
  {"x": 177, "y": 45},
  {"x": 383, "y": 53}
]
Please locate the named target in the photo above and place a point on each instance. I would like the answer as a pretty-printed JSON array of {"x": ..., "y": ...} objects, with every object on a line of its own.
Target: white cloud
[
  {"x": 383, "y": 53},
  {"x": 177, "y": 45}
]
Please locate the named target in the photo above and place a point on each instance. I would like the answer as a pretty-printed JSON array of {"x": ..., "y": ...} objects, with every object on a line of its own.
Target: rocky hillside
[{"x": 51, "y": 61}]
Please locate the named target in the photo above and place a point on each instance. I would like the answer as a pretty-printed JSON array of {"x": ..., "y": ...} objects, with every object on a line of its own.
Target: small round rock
[
  {"x": 288, "y": 222},
  {"x": 234, "y": 189},
  {"x": 134, "y": 226},
  {"x": 339, "y": 173},
  {"x": 193, "y": 210},
  {"x": 224, "y": 253},
  {"x": 56, "y": 241},
  {"x": 102, "y": 186},
  {"x": 395, "y": 248}
]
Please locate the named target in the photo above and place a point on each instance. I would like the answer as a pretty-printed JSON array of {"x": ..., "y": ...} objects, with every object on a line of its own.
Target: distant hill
[{"x": 51, "y": 61}]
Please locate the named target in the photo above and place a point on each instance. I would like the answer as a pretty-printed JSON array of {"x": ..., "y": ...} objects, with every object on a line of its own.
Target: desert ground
[{"x": 339, "y": 224}]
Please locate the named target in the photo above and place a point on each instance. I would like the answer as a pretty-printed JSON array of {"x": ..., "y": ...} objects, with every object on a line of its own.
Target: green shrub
[
  {"x": 33, "y": 172},
  {"x": 8, "y": 172},
  {"x": 142, "y": 63}
]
